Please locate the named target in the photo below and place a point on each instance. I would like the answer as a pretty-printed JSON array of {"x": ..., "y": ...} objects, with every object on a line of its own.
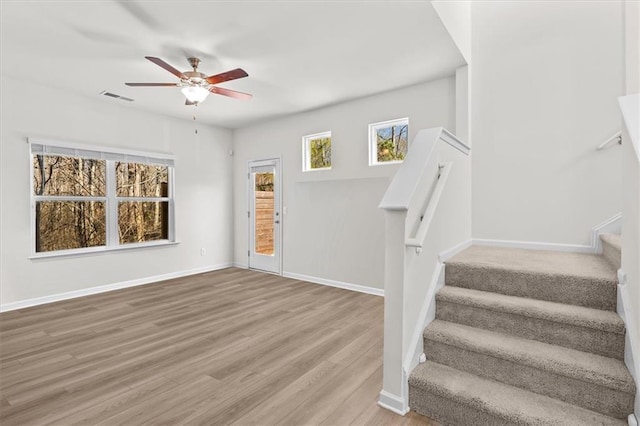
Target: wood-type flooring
[{"x": 229, "y": 347}]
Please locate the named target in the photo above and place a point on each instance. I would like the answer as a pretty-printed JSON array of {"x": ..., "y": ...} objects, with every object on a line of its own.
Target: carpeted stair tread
[
  {"x": 556, "y": 312},
  {"x": 586, "y": 367},
  {"x": 494, "y": 402},
  {"x": 538, "y": 261},
  {"x": 580, "y": 279}
]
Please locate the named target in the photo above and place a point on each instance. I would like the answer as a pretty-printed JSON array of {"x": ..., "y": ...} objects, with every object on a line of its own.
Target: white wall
[
  {"x": 202, "y": 178},
  {"x": 545, "y": 79},
  {"x": 463, "y": 105},
  {"x": 631, "y": 199},
  {"x": 333, "y": 229},
  {"x": 632, "y": 46},
  {"x": 456, "y": 17}
]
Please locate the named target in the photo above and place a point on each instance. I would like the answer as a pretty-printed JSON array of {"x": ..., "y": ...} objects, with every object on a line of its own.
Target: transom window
[
  {"x": 316, "y": 152},
  {"x": 92, "y": 199},
  {"x": 388, "y": 141}
]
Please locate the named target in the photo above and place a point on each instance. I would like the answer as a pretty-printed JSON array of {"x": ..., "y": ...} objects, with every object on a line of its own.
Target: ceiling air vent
[{"x": 113, "y": 95}]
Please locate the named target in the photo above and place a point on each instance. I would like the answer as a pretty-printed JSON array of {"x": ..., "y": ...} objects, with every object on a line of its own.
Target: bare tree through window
[
  {"x": 144, "y": 220},
  {"x": 67, "y": 223},
  {"x": 316, "y": 152},
  {"x": 388, "y": 141},
  {"x": 320, "y": 153},
  {"x": 72, "y": 195},
  {"x": 392, "y": 142}
]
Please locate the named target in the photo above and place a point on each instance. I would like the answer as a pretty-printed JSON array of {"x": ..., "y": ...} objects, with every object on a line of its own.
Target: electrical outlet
[{"x": 203, "y": 251}]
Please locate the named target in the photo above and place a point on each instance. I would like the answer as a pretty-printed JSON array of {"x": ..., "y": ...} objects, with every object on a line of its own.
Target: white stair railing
[
  {"x": 427, "y": 211},
  {"x": 425, "y": 220},
  {"x": 613, "y": 139}
]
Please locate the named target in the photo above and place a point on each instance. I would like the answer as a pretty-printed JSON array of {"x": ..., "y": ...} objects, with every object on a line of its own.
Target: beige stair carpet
[
  {"x": 612, "y": 249},
  {"x": 525, "y": 337}
]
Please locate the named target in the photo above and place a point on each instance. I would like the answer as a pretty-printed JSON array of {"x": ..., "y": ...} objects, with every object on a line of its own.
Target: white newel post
[{"x": 394, "y": 393}]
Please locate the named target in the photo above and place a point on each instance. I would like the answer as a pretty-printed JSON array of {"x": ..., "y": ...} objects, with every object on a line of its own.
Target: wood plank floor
[{"x": 226, "y": 347}]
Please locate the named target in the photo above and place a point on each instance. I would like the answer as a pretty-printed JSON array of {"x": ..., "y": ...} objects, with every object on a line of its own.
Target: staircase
[{"x": 526, "y": 337}]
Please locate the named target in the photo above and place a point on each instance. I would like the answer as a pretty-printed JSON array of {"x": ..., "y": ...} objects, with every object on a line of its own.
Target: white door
[{"x": 264, "y": 215}]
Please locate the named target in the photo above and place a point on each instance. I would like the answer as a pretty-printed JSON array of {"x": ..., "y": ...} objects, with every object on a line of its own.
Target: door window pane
[
  {"x": 63, "y": 225},
  {"x": 264, "y": 214}
]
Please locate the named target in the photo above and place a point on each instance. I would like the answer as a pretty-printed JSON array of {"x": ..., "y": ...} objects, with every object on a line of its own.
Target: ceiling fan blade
[
  {"x": 150, "y": 84},
  {"x": 230, "y": 93},
  {"x": 227, "y": 76},
  {"x": 166, "y": 66}
]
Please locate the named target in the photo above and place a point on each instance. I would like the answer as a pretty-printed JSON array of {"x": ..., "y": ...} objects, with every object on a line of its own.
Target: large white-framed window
[
  {"x": 316, "y": 152},
  {"x": 89, "y": 198},
  {"x": 388, "y": 141}
]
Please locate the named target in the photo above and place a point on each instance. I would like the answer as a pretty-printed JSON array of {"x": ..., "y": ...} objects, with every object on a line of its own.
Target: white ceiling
[{"x": 300, "y": 55}]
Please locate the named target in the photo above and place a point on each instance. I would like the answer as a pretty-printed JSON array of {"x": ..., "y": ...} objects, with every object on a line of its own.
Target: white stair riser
[{"x": 612, "y": 254}]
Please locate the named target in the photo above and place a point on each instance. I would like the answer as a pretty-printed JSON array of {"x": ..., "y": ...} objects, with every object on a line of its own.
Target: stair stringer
[
  {"x": 631, "y": 359},
  {"x": 428, "y": 310}
]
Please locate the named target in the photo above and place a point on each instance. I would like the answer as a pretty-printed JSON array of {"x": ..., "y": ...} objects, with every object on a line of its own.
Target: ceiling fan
[{"x": 195, "y": 85}]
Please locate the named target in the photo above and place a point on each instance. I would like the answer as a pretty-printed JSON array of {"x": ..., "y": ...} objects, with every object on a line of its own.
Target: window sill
[
  {"x": 384, "y": 163},
  {"x": 319, "y": 169},
  {"x": 102, "y": 249}
]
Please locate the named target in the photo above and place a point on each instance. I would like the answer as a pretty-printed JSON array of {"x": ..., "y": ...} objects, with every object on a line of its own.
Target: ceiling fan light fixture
[{"x": 195, "y": 94}]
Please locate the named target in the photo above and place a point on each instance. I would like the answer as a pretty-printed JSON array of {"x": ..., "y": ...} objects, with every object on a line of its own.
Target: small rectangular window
[
  {"x": 316, "y": 152},
  {"x": 388, "y": 141}
]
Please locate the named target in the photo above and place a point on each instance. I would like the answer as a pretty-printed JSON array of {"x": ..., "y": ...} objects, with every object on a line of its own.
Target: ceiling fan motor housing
[
  {"x": 194, "y": 62},
  {"x": 194, "y": 76}
]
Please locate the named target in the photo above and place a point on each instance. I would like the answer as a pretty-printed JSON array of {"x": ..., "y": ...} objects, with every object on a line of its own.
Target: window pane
[
  {"x": 141, "y": 180},
  {"x": 264, "y": 203},
  {"x": 55, "y": 175},
  {"x": 140, "y": 221},
  {"x": 320, "y": 153},
  {"x": 62, "y": 225},
  {"x": 392, "y": 142}
]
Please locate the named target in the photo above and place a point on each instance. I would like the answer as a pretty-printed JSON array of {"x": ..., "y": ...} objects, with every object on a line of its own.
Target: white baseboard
[
  {"x": 108, "y": 287},
  {"x": 332, "y": 283},
  {"x": 443, "y": 256},
  {"x": 392, "y": 403},
  {"x": 631, "y": 347},
  {"x": 613, "y": 225},
  {"x": 528, "y": 245},
  {"x": 240, "y": 265}
]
